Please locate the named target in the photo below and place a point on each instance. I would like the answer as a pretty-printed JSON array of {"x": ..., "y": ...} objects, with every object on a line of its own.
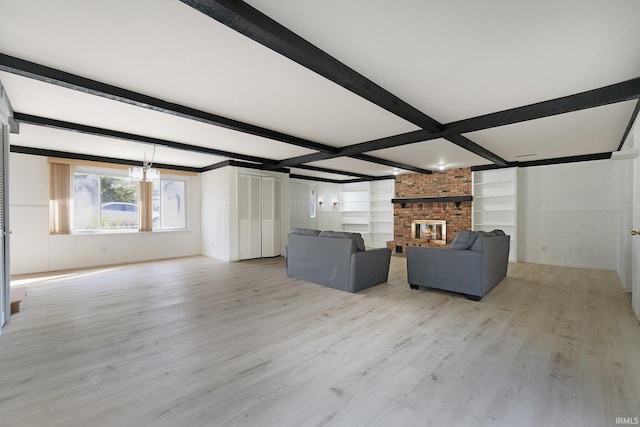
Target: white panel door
[
  {"x": 249, "y": 217},
  {"x": 271, "y": 223}
]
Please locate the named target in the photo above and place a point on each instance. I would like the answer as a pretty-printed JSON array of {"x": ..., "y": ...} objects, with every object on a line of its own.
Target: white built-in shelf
[
  {"x": 495, "y": 203},
  {"x": 366, "y": 208}
]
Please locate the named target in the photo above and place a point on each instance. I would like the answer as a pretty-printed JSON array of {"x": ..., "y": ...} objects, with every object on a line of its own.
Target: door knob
[{"x": 634, "y": 232}]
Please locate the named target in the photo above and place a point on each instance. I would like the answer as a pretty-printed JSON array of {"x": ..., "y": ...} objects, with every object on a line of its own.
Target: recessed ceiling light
[{"x": 441, "y": 166}]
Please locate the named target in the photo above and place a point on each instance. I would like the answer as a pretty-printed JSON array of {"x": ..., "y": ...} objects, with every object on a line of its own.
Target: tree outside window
[
  {"x": 105, "y": 203},
  {"x": 111, "y": 203}
]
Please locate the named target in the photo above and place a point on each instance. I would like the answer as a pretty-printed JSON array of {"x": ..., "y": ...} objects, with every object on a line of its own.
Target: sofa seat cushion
[
  {"x": 464, "y": 240},
  {"x": 356, "y": 237}
]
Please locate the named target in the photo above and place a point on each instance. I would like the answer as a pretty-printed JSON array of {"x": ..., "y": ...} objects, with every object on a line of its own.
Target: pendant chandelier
[{"x": 146, "y": 172}]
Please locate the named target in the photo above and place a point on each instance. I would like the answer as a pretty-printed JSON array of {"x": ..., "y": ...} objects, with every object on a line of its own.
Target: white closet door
[
  {"x": 249, "y": 217},
  {"x": 277, "y": 221},
  {"x": 271, "y": 217}
]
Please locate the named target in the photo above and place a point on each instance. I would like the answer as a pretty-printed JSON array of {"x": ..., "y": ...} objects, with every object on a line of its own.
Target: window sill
[{"x": 120, "y": 232}]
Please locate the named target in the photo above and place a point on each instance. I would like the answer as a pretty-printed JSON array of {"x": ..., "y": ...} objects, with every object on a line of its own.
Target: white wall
[
  {"x": 217, "y": 209},
  {"x": 572, "y": 214},
  {"x": 34, "y": 250},
  {"x": 329, "y": 216}
]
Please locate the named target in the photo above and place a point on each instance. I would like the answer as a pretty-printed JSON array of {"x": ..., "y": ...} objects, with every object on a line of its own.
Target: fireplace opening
[{"x": 427, "y": 230}]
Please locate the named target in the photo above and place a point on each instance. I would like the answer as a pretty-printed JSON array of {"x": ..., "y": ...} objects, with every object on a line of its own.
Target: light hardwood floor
[{"x": 199, "y": 342}]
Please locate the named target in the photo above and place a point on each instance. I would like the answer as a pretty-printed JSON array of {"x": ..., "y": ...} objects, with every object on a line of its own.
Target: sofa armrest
[
  {"x": 448, "y": 269},
  {"x": 495, "y": 261},
  {"x": 369, "y": 268}
]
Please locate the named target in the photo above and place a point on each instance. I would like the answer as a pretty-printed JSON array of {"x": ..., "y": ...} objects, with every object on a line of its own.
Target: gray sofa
[
  {"x": 335, "y": 259},
  {"x": 474, "y": 264}
]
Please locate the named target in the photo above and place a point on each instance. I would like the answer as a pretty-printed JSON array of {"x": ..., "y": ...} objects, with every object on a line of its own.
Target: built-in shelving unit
[
  {"x": 381, "y": 212},
  {"x": 495, "y": 203},
  {"x": 367, "y": 209},
  {"x": 354, "y": 205}
]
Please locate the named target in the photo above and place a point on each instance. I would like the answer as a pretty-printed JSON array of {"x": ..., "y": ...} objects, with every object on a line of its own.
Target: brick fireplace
[{"x": 441, "y": 186}]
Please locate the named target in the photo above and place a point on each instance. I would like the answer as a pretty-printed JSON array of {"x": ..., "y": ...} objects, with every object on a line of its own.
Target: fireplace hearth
[{"x": 429, "y": 231}]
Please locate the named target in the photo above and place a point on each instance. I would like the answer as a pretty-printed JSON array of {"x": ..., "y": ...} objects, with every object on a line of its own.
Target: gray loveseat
[
  {"x": 335, "y": 259},
  {"x": 475, "y": 263}
]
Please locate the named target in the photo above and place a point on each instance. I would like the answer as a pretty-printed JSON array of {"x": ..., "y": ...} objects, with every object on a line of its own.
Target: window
[
  {"x": 312, "y": 203},
  {"x": 172, "y": 206},
  {"x": 107, "y": 203}
]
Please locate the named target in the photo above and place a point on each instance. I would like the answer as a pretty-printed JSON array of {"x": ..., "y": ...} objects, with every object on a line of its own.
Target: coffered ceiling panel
[
  {"x": 596, "y": 130},
  {"x": 73, "y": 142},
  {"x": 321, "y": 175},
  {"x": 431, "y": 155},
  {"x": 358, "y": 166}
]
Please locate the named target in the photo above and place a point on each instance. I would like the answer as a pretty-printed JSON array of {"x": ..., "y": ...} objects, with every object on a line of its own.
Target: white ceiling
[{"x": 450, "y": 60}]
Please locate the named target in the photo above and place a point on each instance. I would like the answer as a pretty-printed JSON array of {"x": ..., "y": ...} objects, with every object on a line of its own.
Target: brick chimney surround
[{"x": 440, "y": 184}]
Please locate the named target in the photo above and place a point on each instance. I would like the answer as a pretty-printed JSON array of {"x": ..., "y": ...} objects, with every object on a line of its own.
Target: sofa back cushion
[
  {"x": 305, "y": 231},
  {"x": 464, "y": 240},
  {"x": 356, "y": 237}
]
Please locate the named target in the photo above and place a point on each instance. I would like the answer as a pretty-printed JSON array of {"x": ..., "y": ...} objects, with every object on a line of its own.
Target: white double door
[{"x": 259, "y": 219}]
